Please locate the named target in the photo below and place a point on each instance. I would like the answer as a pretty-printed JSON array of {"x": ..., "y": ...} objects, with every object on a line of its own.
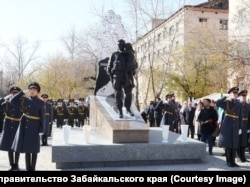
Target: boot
[
  {"x": 46, "y": 140},
  {"x": 233, "y": 155},
  {"x": 11, "y": 160},
  {"x": 228, "y": 157},
  {"x": 33, "y": 162},
  {"x": 239, "y": 154},
  {"x": 120, "y": 113},
  {"x": 16, "y": 166},
  {"x": 27, "y": 161},
  {"x": 210, "y": 151},
  {"x": 243, "y": 155},
  {"x": 129, "y": 112}
]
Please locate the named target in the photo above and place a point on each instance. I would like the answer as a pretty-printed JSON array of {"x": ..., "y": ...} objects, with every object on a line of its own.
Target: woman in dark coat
[
  {"x": 27, "y": 139},
  {"x": 11, "y": 122},
  {"x": 208, "y": 117}
]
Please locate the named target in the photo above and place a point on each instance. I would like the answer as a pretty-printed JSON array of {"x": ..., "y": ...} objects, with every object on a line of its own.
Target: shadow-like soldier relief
[{"x": 103, "y": 85}]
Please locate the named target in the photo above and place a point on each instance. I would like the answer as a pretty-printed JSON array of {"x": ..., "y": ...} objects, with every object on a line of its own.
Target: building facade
[{"x": 159, "y": 48}]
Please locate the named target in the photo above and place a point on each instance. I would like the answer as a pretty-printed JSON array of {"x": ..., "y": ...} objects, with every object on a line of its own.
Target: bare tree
[
  {"x": 22, "y": 55},
  {"x": 71, "y": 44}
]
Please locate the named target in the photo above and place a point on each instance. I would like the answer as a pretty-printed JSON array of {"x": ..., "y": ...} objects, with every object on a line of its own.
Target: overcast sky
[{"x": 47, "y": 21}]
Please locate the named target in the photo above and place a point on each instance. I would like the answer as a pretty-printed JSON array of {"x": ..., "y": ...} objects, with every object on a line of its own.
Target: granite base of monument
[{"x": 89, "y": 149}]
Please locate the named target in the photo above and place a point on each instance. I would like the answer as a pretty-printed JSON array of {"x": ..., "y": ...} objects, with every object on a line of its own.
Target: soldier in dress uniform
[
  {"x": 245, "y": 126},
  {"x": 48, "y": 120},
  {"x": 27, "y": 139},
  {"x": 59, "y": 113},
  {"x": 229, "y": 131},
  {"x": 169, "y": 113},
  {"x": 81, "y": 113},
  {"x": 12, "y": 118},
  {"x": 71, "y": 113},
  {"x": 50, "y": 101}
]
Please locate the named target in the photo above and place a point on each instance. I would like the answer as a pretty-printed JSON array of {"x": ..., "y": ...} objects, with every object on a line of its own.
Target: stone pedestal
[
  {"x": 106, "y": 122},
  {"x": 99, "y": 152}
]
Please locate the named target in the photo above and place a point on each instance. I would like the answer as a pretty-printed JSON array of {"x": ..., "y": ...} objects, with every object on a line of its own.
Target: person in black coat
[
  {"x": 230, "y": 126},
  {"x": 169, "y": 112},
  {"x": 158, "y": 111},
  {"x": 11, "y": 123},
  {"x": 48, "y": 119},
  {"x": 27, "y": 139},
  {"x": 188, "y": 115},
  {"x": 150, "y": 114},
  {"x": 208, "y": 117}
]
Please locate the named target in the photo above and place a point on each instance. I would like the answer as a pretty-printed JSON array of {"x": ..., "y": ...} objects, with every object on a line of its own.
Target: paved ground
[{"x": 215, "y": 162}]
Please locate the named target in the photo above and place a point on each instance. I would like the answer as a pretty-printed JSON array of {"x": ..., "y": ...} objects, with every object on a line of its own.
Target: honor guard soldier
[
  {"x": 81, "y": 113},
  {"x": 60, "y": 113},
  {"x": 231, "y": 124},
  {"x": 71, "y": 112},
  {"x": 245, "y": 126},
  {"x": 27, "y": 139},
  {"x": 11, "y": 122},
  {"x": 48, "y": 120},
  {"x": 50, "y": 101}
]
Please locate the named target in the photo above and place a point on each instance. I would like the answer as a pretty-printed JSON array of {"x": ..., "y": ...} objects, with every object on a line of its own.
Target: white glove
[
  {"x": 25, "y": 91},
  {"x": 40, "y": 133},
  {"x": 248, "y": 131},
  {"x": 8, "y": 96},
  {"x": 240, "y": 131}
]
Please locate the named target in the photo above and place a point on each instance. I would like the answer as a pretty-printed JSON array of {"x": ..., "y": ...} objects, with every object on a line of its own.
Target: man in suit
[
  {"x": 158, "y": 111},
  {"x": 189, "y": 118}
]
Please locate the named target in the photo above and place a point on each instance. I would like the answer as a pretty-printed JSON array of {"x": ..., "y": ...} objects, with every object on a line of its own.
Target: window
[
  {"x": 203, "y": 21},
  {"x": 159, "y": 37},
  {"x": 171, "y": 30},
  {"x": 177, "y": 26},
  {"x": 223, "y": 24}
]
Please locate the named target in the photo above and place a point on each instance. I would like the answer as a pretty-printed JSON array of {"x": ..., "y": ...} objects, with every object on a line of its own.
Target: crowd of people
[{"x": 226, "y": 120}]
